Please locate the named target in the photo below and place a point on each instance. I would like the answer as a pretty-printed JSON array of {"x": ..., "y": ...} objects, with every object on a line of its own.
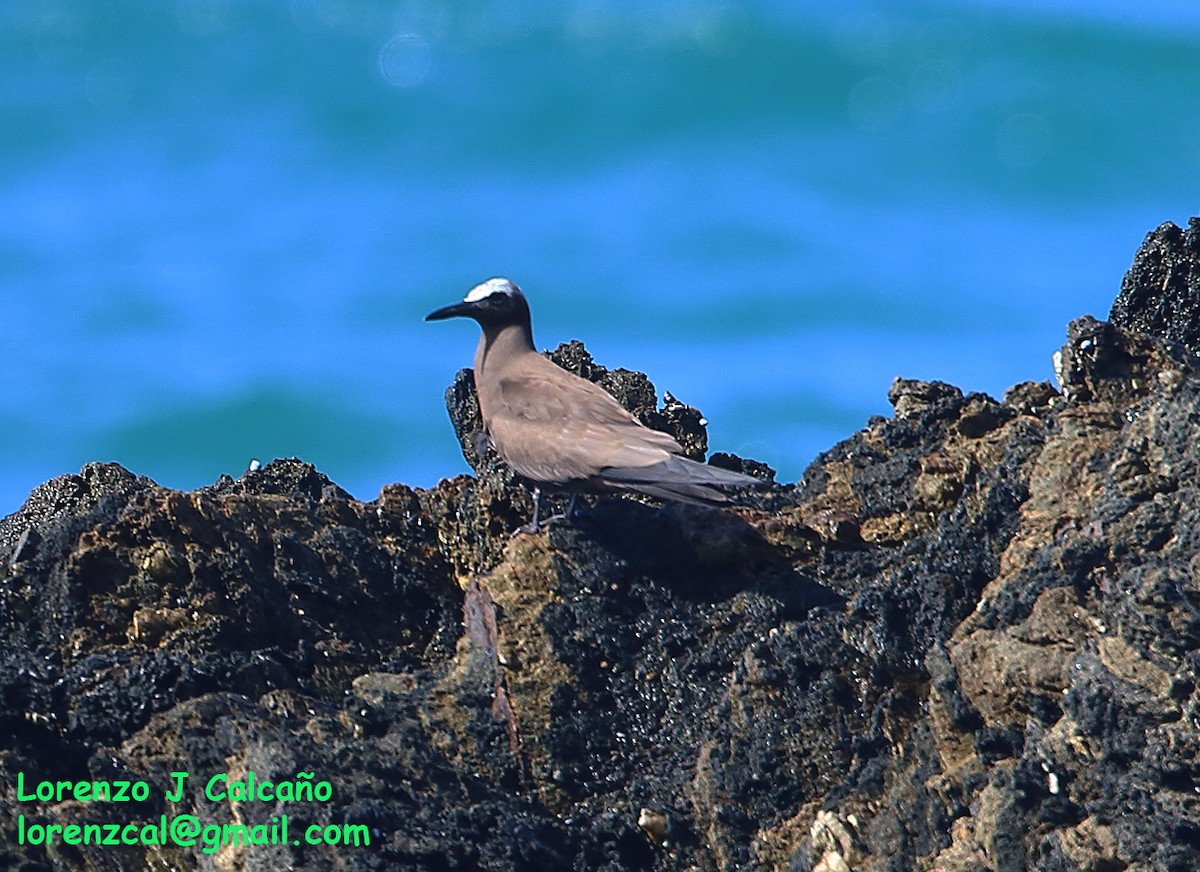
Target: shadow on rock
[{"x": 703, "y": 555}]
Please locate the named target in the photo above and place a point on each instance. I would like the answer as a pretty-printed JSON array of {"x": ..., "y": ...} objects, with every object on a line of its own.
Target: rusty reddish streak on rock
[{"x": 479, "y": 622}]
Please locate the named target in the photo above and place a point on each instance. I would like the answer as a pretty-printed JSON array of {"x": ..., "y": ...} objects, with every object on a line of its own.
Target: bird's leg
[
  {"x": 569, "y": 514},
  {"x": 561, "y": 516},
  {"x": 535, "y": 525}
]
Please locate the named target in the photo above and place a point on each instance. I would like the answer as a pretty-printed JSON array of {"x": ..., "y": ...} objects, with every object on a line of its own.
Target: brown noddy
[{"x": 555, "y": 428}]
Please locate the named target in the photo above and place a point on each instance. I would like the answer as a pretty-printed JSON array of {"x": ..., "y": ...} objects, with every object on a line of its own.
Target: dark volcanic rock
[
  {"x": 966, "y": 640},
  {"x": 1161, "y": 292}
]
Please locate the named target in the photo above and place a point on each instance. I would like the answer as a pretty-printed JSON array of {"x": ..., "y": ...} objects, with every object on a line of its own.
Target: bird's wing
[
  {"x": 678, "y": 478},
  {"x": 555, "y": 427}
]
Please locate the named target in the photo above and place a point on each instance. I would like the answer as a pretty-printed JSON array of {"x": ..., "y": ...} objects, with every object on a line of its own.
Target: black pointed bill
[{"x": 455, "y": 310}]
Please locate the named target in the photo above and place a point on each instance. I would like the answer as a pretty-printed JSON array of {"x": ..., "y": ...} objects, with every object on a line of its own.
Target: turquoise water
[{"x": 222, "y": 222}]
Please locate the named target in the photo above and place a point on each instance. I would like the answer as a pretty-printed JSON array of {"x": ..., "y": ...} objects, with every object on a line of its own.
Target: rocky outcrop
[
  {"x": 966, "y": 640},
  {"x": 1161, "y": 292}
]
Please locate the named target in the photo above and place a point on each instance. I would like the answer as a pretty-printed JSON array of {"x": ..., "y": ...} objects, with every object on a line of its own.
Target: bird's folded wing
[
  {"x": 678, "y": 478},
  {"x": 551, "y": 430},
  {"x": 680, "y": 470}
]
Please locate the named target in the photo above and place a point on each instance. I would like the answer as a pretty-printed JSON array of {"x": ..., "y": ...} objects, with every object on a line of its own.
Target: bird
[{"x": 558, "y": 430}]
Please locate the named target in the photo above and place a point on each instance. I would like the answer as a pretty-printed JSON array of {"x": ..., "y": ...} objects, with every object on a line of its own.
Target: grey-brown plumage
[{"x": 555, "y": 428}]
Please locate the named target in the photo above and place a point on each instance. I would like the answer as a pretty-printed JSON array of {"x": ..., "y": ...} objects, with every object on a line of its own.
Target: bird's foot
[{"x": 536, "y": 526}]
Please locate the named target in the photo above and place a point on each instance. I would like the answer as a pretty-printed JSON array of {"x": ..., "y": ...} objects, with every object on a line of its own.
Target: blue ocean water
[{"x": 222, "y": 222}]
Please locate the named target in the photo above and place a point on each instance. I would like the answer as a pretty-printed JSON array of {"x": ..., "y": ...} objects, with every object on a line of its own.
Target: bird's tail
[{"x": 678, "y": 478}]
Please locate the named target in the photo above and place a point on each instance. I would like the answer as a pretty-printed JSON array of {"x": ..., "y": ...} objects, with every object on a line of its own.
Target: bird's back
[{"x": 552, "y": 426}]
